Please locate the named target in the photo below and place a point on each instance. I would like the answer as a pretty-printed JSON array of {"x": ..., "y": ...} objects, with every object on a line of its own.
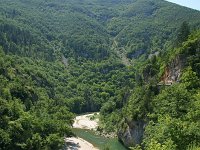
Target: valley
[{"x": 135, "y": 62}]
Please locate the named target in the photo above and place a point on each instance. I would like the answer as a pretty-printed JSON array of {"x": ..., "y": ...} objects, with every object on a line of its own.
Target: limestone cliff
[
  {"x": 172, "y": 71},
  {"x": 131, "y": 133}
]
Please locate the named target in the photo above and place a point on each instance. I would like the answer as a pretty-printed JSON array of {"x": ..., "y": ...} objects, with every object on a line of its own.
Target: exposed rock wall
[
  {"x": 173, "y": 70},
  {"x": 131, "y": 133}
]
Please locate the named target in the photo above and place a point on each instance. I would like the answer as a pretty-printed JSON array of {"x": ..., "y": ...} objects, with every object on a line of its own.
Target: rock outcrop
[
  {"x": 173, "y": 70},
  {"x": 131, "y": 133}
]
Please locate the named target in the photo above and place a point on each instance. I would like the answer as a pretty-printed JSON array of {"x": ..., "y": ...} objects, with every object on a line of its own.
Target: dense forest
[{"x": 135, "y": 61}]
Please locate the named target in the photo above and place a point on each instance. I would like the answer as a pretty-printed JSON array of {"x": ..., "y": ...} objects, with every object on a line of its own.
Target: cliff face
[
  {"x": 173, "y": 70},
  {"x": 132, "y": 133}
]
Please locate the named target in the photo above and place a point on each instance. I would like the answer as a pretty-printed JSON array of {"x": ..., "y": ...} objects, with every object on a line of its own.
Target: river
[{"x": 87, "y": 139}]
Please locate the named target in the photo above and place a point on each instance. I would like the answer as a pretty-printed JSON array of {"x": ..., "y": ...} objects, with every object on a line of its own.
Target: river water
[{"x": 98, "y": 141}]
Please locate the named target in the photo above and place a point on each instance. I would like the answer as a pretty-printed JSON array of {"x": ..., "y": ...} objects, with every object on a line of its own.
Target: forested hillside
[
  {"x": 59, "y": 58},
  {"x": 162, "y": 110},
  {"x": 87, "y": 29}
]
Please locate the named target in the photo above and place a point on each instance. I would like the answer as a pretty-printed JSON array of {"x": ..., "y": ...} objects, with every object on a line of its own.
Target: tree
[{"x": 183, "y": 33}]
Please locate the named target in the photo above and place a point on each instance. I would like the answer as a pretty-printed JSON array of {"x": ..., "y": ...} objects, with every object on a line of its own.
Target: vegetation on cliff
[
  {"x": 170, "y": 111},
  {"x": 62, "y": 57}
]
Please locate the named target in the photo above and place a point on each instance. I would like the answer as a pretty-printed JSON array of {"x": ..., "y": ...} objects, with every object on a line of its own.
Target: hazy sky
[{"x": 195, "y": 4}]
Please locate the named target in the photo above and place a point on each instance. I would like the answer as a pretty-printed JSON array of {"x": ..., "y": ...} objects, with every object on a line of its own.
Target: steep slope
[
  {"x": 61, "y": 56},
  {"x": 164, "y": 115},
  {"x": 86, "y": 28},
  {"x": 59, "y": 23},
  {"x": 146, "y": 27}
]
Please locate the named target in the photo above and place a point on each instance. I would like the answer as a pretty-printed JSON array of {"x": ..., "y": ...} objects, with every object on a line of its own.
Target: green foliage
[
  {"x": 193, "y": 147},
  {"x": 183, "y": 33},
  {"x": 47, "y": 29},
  {"x": 175, "y": 108},
  {"x": 167, "y": 145},
  {"x": 176, "y": 98},
  {"x": 190, "y": 78},
  {"x": 171, "y": 112},
  {"x": 57, "y": 57},
  {"x": 26, "y": 120},
  {"x": 139, "y": 103}
]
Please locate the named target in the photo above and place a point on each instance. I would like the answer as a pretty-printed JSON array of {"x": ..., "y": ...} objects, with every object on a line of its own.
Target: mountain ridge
[{"x": 61, "y": 58}]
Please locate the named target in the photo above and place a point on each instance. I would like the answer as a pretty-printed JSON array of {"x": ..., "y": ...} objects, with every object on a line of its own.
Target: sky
[{"x": 195, "y": 4}]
